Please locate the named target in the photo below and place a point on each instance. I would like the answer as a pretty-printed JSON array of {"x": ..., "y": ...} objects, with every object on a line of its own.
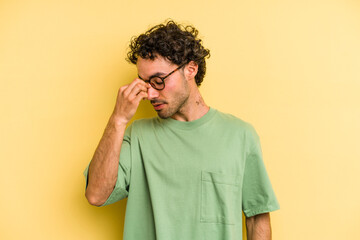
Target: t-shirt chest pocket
[{"x": 219, "y": 193}]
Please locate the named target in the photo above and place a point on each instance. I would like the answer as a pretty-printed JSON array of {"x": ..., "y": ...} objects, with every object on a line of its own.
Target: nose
[{"x": 152, "y": 93}]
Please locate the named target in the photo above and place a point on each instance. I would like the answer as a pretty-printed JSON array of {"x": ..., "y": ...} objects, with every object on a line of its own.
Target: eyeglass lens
[{"x": 157, "y": 83}]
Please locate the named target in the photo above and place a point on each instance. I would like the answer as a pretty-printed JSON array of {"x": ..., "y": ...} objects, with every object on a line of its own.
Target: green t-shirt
[{"x": 191, "y": 180}]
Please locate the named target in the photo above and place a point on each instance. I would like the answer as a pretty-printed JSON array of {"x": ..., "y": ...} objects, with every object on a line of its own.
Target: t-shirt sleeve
[
  {"x": 121, "y": 188},
  {"x": 257, "y": 192}
]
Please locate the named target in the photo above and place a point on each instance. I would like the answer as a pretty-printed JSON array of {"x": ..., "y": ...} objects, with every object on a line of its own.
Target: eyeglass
[{"x": 157, "y": 82}]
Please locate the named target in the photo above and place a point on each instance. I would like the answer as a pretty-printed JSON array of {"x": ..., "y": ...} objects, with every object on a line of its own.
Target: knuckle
[
  {"x": 135, "y": 82},
  {"x": 122, "y": 89}
]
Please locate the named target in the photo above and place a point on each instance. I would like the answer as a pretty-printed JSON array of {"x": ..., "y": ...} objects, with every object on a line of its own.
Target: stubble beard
[{"x": 175, "y": 106}]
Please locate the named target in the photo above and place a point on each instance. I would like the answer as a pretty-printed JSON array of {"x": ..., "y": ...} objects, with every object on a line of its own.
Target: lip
[{"x": 158, "y": 107}]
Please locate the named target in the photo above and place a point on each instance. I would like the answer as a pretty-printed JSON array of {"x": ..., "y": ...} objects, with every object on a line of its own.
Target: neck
[{"x": 193, "y": 109}]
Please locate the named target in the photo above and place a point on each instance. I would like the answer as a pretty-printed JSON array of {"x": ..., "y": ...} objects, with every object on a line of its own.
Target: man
[{"x": 189, "y": 173}]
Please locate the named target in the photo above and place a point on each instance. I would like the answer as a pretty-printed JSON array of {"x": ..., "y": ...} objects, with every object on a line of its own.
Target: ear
[{"x": 191, "y": 70}]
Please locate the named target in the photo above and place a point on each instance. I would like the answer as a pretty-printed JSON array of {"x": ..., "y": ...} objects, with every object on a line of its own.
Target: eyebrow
[{"x": 158, "y": 74}]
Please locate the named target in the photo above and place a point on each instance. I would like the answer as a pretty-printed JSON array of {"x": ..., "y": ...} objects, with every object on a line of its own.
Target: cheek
[
  {"x": 173, "y": 89},
  {"x": 169, "y": 90},
  {"x": 176, "y": 85},
  {"x": 170, "y": 85}
]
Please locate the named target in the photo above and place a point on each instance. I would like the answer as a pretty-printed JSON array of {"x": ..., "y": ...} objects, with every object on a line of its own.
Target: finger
[
  {"x": 136, "y": 90},
  {"x": 140, "y": 96},
  {"x": 143, "y": 83},
  {"x": 132, "y": 85},
  {"x": 123, "y": 88}
]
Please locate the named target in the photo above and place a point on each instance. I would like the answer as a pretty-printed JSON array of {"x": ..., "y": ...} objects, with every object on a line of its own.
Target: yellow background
[{"x": 291, "y": 68}]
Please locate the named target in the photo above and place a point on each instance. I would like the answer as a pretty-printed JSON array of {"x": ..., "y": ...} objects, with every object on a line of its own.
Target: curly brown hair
[{"x": 175, "y": 42}]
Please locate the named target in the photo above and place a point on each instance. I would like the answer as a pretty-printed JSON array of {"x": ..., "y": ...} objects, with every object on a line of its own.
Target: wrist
[{"x": 118, "y": 122}]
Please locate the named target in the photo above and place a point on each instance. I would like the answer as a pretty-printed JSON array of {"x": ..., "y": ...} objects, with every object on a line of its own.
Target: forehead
[{"x": 148, "y": 67}]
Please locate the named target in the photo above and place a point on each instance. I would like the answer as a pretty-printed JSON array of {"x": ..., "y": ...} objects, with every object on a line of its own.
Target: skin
[
  {"x": 180, "y": 100},
  {"x": 258, "y": 227},
  {"x": 104, "y": 164}
]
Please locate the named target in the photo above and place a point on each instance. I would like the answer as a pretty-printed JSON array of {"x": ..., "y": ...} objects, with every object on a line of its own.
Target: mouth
[{"x": 158, "y": 106}]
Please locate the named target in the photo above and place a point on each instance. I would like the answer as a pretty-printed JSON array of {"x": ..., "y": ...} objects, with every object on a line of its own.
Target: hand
[{"x": 128, "y": 100}]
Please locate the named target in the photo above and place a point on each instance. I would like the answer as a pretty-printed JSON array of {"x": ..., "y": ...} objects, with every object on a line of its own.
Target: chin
[{"x": 163, "y": 116}]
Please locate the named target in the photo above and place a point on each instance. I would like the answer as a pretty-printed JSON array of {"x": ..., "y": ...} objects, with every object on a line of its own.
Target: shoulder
[
  {"x": 234, "y": 122},
  {"x": 236, "y": 126}
]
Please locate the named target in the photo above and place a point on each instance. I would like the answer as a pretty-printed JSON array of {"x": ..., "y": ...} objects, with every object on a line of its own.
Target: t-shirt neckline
[{"x": 170, "y": 122}]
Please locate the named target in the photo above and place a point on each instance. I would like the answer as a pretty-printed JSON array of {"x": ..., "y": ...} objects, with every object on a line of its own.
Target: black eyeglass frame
[{"x": 162, "y": 78}]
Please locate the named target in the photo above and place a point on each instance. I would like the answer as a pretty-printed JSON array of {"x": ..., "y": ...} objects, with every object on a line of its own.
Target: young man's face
[{"x": 173, "y": 98}]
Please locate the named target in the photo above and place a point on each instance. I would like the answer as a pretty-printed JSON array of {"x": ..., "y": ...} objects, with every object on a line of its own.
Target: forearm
[
  {"x": 258, "y": 227},
  {"x": 104, "y": 165}
]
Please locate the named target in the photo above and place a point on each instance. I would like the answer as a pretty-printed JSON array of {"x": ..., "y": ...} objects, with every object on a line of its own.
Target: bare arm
[
  {"x": 258, "y": 227},
  {"x": 104, "y": 165}
]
